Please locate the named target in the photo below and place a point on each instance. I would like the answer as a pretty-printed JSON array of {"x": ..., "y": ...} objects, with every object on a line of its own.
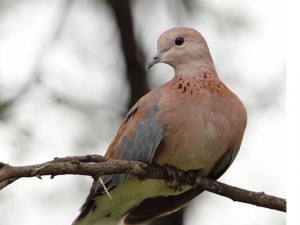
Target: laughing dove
[{"x": 193, "y": 122}]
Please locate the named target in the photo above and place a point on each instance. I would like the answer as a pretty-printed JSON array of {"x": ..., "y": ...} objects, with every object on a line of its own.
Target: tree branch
[
  {"x": 95, "y": 166},
  {"x": 133, "y": 55}
]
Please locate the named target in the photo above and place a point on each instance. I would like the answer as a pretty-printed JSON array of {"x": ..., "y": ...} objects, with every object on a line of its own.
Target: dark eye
[{"x": 179, "y": 40}]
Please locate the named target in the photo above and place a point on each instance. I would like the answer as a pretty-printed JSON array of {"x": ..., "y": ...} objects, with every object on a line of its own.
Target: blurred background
[{"x": 70, "y": 69}]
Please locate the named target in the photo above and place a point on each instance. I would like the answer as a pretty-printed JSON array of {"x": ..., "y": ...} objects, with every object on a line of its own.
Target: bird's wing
[{"x": 137, "y": 139}]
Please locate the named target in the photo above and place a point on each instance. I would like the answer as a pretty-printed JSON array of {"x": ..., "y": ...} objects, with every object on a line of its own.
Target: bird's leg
[{"x": 173, "y": 174}]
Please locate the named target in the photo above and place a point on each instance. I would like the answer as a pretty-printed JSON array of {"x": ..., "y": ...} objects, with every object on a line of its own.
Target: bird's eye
[{"x": 179, "y": 40}]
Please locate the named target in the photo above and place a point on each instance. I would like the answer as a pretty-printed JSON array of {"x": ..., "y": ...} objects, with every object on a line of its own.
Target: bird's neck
[
  {"x": 194, "y": 69},
  {"x": 194, "y": 83}
]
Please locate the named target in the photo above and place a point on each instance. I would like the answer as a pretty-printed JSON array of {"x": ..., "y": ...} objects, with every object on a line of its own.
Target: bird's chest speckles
[{"x": 193, "y": 86}]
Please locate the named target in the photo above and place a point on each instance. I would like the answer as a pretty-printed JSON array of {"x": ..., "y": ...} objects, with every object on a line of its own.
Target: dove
[{"x": 191, "y": 123}]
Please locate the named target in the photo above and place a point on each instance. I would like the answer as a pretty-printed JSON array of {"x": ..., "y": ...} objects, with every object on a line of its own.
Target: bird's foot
[
  {"x": 198, "y": 174},
  {"x": 173, "y": 174}
]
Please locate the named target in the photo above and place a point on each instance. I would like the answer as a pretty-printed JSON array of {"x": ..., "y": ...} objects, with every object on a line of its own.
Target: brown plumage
[{"x": 193, "y": 122}]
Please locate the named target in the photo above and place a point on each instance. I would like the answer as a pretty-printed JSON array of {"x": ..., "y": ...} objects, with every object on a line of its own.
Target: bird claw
[
  {"x": 173, "y": 174},
  {"x": 198, "y": 179},
  {"x": 195, "y": 175}
]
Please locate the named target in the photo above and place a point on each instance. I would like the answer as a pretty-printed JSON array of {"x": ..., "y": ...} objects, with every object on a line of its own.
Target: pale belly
[{"x": 129, "y": 194}]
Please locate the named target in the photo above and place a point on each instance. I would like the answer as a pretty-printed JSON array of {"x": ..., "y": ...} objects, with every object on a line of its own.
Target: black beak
[{"x": 156, "y": 59}]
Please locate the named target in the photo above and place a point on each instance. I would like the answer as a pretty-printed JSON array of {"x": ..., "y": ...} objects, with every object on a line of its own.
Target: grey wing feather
[
  {"x": 144, "y": 144},
  {"x": 223, "y": 164},
  {"x": 141, "y": 147}
]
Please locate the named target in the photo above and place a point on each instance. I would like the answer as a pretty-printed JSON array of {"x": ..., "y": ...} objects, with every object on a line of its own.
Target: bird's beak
[{"x": 155, "y": 59}]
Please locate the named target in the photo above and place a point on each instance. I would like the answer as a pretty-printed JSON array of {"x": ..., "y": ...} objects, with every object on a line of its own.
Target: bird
[{"x": 194, "y": 122}]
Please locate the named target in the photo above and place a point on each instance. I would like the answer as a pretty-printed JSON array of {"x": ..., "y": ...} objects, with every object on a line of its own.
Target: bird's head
[{"x": 181, "y": 47}]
